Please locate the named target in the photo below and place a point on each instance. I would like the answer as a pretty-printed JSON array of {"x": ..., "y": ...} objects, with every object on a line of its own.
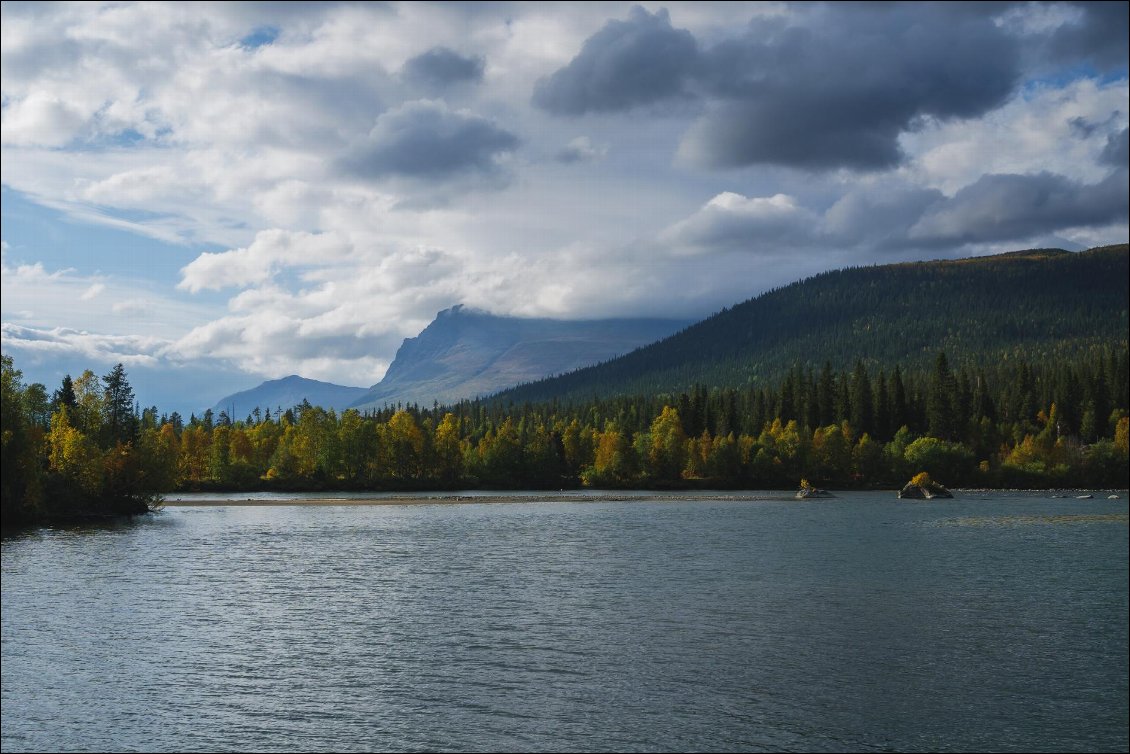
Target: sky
[{"x": 217, "y": 194}]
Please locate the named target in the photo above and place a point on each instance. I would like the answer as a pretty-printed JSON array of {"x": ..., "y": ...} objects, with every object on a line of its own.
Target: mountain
[
  {"x": 465, "y": 353},
  {"x": 1029, "y": 304},
  {"x": 287, "y": 393}
]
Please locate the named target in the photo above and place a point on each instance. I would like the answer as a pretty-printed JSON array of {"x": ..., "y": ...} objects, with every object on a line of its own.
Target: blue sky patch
[{"x": 264, "y": 35}]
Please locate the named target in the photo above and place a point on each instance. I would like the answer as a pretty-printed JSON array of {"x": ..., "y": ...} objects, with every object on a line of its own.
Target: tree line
[{"x": 88, "y": 449}]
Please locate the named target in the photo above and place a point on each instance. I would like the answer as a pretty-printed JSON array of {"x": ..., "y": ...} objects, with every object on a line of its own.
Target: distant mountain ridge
[
  {"x": 466, "y": 353},
  {"x": 288, "y": 392},
  {"x": 1020, "y": 305}
]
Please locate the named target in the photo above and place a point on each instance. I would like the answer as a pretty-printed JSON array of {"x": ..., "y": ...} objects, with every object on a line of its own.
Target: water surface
[{"x": 995, "y": 621}]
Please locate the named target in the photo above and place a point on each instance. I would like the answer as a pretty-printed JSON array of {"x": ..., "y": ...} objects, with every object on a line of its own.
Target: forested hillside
[{"x": 1031, "y": 305}]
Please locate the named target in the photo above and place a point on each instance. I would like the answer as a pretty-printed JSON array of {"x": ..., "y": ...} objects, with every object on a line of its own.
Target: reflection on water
[{"x": 863, "y": 623}]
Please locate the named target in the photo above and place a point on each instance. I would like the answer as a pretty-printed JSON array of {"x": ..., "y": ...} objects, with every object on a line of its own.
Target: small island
[
  {"x": 808, "y": 492},
  {"x": 922, "y": 487}
]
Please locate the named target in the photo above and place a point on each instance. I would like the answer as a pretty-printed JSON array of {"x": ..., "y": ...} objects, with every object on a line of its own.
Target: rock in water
[{"x": 922, "y": 487}]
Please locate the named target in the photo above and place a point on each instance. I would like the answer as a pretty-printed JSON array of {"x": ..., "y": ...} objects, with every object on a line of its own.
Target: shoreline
[{"x": 463, "y": 499}]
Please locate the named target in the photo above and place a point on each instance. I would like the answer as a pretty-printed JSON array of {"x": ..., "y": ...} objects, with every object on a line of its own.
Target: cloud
[
  {"x": 1007, "y": 207},
  {"x": 1057, "y": 129},
  {"x": 92, "y": 291},
  {"x": 262, "y": 345},
  {"x": 137, "y": 186},
  {"x": 1117, "y": 150},
  {"x": 880, "y": 214},
  {"x": 426, "y": 140},
  {"x": 624, "y": 65},
  {"x": 440, "y": 67},
  {"x": 1096, "y": 33},
  {"x": 41, "y": 119},
  {"x": 832, "y": 88},
  {"x": 132, "y": 307},
  {"x": 837, "y": 89},
  {"x": 22, "y": 274},
  {"x": 271, "y": 251},
  {"x": 342, "y": 326},
  {"x": 128, "y": 349},
  {"x": 732, "y": 222},
  {"x": 580, "y": 149},
  {"x": 65, "y": 298},
  {"x": 158, "y": 375},
  {"x": 892, "y": 216}
]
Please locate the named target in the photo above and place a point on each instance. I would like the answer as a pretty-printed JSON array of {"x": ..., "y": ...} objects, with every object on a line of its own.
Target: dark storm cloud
[
  {"x": 440, "y": 67},
  {"x": 1098, "y": 37},
  {"x": 427, "y": 140},
  {"x": 838, "y": 93},
  {"x": 624, "y": 65},
  {"x": 1117, "y": 150},
  {"x": 1007, "y": 207},
  {"x": 834, "y": 88}
]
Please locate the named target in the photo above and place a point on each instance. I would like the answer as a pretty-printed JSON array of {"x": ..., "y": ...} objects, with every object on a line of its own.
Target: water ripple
[{"x": 743, "y": 623}]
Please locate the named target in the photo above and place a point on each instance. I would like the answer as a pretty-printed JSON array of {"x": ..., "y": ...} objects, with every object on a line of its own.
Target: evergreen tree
[
  {"x": 983, "y": 406},
  {"x": 843, "y": 399},
  {"x": 811, "y": 403},
  {"x": 1098, "y": 399},
  {"x": 120, "y": 421},
  {"x": 883, "y": 429},
  {"x": 64, "y": 395},
  {"x": 787, "y": 408},
  {"x": 1070, "y": 400},
  {"x": 826, "y": 395},
  {"x": 964, "y": 406},
  {"x": 942, "y": 401},
  {"x": 862, "y": 405},
  {"x": 759, "y": 414}
]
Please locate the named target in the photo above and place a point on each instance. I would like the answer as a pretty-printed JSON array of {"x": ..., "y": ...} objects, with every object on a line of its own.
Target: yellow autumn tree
[
  {"x": 403, "y": 444},
  {"x": 667, "y": 451},
  {"x": 448, "y": 450},
  {"x": 74, "y": 455}
]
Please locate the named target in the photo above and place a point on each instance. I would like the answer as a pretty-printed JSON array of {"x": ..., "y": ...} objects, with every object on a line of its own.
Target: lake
[{"x": 995, "y": 621}]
